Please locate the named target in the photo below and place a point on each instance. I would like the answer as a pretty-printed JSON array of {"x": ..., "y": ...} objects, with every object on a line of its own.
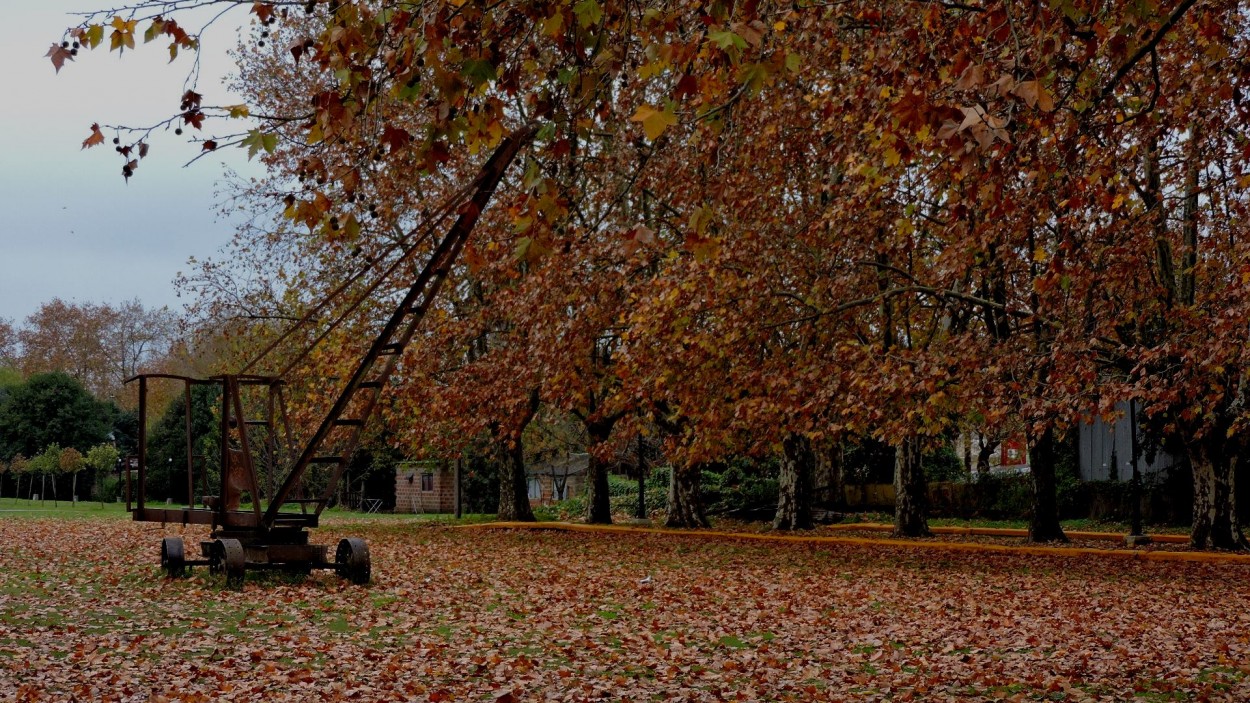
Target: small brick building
[
  {"x": 430, "y": 486},
  {"x": 425, "y": 487}
]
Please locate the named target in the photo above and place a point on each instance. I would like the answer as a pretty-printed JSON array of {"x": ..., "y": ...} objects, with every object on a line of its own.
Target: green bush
[
  {"x": 943, "y": 464},
  {"x": 1004, "y": 496},
  {"x": 658, "y": 478},
  {"x": 622, "y": 486},
  {"x": 111, "y": 489},
  {"x": 743, "y": 488}
]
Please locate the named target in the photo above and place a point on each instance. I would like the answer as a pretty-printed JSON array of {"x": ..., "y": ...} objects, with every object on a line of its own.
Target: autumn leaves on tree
[{"x": 759, "y": 228}]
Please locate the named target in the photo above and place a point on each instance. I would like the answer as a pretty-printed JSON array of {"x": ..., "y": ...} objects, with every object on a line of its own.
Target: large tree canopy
[
  {"x": 761, "y": 226},
  {"x": 52, "y": 408}
]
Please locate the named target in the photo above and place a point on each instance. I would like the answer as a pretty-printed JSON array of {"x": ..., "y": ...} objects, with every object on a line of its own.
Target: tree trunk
[
  {"x": 514, "y": 501},
  {"x": 829, "y": 493},
  {"x": 1215, "y": 524},
  {"x": 599, "y": 505},
  {"x": 983, "y": 456},
  {"x": 794, "y": 495},
  {"x": 1044, "y": 527},
  {"x": 685, "y": 504},
  {"x": 910, "y": 488},
  {"x": 73, "y": 492}
]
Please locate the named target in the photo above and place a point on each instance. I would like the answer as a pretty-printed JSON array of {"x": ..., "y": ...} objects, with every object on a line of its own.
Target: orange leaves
[
  {"x": 654, "y": 120},
  {"x": 90, "y": 36},
  {"x": 123, "y": 35},
  {"x": 1034, "y": 95},
  {"x": 95, "y": 138}
]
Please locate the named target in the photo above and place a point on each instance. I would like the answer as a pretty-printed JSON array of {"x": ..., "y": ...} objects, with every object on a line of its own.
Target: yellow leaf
[
  {"x": 1040, "y": 255},
  {"x": 554, "y": 25},
  {"x": 238, "y": 111},
  {"x": 779, "y": 26},
  {"x": 892, "y": 157},
  {"x": 95, "y": 35},
  {"x": 654, "y": 121}
]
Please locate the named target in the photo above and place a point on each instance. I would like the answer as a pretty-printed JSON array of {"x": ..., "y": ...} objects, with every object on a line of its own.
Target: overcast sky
[{"x": 70, "y": 226}]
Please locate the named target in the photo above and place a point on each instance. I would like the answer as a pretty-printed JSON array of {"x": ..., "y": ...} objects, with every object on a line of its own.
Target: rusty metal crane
[{"x": 277, "y": 536}]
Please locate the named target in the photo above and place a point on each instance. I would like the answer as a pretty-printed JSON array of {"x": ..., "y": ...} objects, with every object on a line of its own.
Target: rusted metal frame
[
  {"x": 492, "y": 173},
  {"x": 174, "y": 377},
  {"x": 203, "y": 516},
  {"x": 288, "y": 439},
  {"x": 316, "y": 309},
  {"x": 420, "y": 232},
  {"x": 345, "y": 397},
  {"x": 143, "y": 451},
  {"x": 190, "y": 451},
  {"x": 244, "y": 445},
  {"x": 220, "y": 509},
  {"x": 417, "y": 313},
  {"x": 245, "y": 379},
  {"x": 286, "y": 420},
  {"x": 271, "y": 448},
  {"x": 434, "y": 274}
]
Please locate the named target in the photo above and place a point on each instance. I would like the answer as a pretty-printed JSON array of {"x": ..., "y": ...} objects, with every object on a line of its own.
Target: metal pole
[
  {"x": 143, "y": 449},
  {"x": 271, "y": 444},
  {"x": 190, "y": 448}
]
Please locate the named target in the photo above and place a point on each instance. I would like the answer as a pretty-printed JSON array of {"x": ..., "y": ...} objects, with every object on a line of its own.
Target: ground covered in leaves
[{"x": 460, "y": 614}]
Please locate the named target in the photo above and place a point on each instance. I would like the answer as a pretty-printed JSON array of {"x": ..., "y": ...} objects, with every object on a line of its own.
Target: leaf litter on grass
[{"x": 474, "y": 615}]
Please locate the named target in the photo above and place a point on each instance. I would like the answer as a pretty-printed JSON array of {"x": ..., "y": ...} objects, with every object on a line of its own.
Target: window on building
[
  {"x": 560, "y": 486},
  {"x": 427, "y": 482},
  {"x": 535, "y": 489}
]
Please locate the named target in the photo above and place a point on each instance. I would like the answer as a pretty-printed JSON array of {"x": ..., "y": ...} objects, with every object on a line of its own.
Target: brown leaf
[
  {"x": 972, "y": 77},
  {"x": 59, "y": 55},
  {"x": 96, "y": 137}
]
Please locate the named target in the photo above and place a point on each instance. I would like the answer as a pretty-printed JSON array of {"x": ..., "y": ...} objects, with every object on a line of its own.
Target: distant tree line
[
  {"x": 57, "y": 440},
  {"x": 100, "y": 345}
]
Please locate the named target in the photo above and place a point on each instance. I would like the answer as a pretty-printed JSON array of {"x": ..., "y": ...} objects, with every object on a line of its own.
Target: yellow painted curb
[
  {"x": 1140, "y": 555},
  {"x": 1000, "y": 532}
]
